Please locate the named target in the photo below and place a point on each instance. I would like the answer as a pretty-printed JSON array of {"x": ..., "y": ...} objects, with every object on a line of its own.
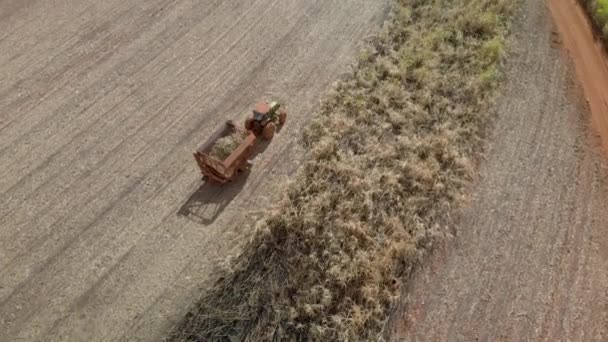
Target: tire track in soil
[
  {"x": 31, "y": 177},
  {"x": 90, "y": 50}
]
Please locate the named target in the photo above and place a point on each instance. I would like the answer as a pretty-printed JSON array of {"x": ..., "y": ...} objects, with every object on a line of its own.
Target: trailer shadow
[{"x": 210, "y": 199}]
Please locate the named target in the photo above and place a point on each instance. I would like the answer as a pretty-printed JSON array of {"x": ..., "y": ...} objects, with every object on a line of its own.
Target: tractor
[
  {"x": 266, "y": 116},
  {"x": 224, "y": 169}
]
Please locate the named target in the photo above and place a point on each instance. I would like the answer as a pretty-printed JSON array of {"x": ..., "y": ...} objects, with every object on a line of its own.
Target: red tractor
[
  {"x": 224, "y": 168},
  {"x": 266, "y": 117}
]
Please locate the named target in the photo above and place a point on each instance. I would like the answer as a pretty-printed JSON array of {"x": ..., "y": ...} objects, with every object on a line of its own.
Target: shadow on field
[{"x": 210, "y": 200}]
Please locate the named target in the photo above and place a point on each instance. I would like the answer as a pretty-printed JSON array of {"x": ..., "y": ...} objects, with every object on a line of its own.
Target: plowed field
[{"x": 105, "y": 230}]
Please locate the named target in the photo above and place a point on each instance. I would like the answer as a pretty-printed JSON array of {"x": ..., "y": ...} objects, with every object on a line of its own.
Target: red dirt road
[
  {"x": 589, "y": 58},
  {"x": 529, "y": 259},
  {"x": 105, "y": 230}
]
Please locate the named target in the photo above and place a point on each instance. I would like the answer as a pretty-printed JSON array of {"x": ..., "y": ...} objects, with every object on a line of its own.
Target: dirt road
[
  {"x": 529, "y": 261},
  {"x": 104, "y": 231},
  {"x": 589, "y": 59}
]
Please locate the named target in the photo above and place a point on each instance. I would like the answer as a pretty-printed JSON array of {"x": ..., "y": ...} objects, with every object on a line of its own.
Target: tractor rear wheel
[
  {"x": 282, "y": 118},
  {"x": 269, "y": 130},
  {"x": 249, "y": 124}
]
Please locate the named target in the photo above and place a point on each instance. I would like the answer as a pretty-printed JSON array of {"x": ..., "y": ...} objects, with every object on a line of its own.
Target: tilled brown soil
[
  {"x": 106, "y": 230},
  {"x": 529, "y": 260}
]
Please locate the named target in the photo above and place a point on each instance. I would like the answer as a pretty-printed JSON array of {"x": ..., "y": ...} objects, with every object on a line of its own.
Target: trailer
[{"x": 226, "y": 170}]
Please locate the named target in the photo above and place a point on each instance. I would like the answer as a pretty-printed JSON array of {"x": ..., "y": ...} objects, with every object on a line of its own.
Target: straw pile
[{"x": 224, "y": 147}]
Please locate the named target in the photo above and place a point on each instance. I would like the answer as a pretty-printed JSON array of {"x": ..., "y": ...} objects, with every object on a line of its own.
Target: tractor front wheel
[
  {"x": 269, "y": 130},
  {"x": 282, "y": 118}
]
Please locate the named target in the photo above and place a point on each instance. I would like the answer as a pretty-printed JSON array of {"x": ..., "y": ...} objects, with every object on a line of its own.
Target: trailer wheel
[{"x": 269, "y": 129}]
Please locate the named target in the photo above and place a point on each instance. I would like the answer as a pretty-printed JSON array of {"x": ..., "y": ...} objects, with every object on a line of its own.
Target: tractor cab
[
  {"x": 263, "y": 109},
  {"x": 257, "y": 116},
  {"x": 265, "y": 118}
]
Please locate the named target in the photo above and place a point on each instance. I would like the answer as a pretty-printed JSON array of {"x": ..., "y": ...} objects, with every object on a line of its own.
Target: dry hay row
[{"x": 390, "y": 153}]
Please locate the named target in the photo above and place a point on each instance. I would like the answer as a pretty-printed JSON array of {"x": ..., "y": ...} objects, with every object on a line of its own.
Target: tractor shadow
[{"x": 211, "y": 199}]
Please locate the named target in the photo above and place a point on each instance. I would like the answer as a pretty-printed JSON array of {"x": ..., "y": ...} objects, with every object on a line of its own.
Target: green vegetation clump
[
  {"x": 598, "y": 10},
  {"x": 390, "y": 155}
]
